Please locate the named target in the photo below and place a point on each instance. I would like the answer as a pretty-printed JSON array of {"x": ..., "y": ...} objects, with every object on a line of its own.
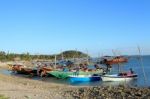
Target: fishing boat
[
  {"x": 21, "y": 69},
  {"x": 84, "y": 78},
  {"x": 66, "y": 74},
  {"x": 114, "y": 60},
  {"x": 43, "y": 71},
  {"x": 119, "y": 77}
]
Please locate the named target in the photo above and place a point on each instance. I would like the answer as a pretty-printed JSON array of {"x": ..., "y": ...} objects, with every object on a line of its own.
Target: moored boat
[
  {"x": 84, "y": 78},
  {"x": 119, "y": 77},
  {"x": 21, "y": 69},
  {"x": 114, "y": 60},
  {"x": 43, "y": 71},
  {"x": 64, "y": 75}
]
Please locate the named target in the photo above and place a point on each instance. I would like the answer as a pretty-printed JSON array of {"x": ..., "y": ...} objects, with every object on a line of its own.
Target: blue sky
[{"x": 49, "y": 26}]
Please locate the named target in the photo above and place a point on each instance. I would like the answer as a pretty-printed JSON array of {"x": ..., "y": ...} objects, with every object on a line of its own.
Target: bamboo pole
[{"x": 141, "y": 63}]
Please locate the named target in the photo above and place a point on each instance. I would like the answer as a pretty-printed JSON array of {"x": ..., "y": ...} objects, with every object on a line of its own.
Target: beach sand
[
  {"x": 25, "y": 88},
  {"x": 21, "y": 88}
]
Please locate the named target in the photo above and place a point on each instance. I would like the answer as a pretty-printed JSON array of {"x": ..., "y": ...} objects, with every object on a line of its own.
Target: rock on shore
[{"x": 120, "y": 92}]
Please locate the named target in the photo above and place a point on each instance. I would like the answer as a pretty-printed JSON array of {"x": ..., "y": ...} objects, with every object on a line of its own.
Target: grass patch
[{"x": 3, "y": 97}]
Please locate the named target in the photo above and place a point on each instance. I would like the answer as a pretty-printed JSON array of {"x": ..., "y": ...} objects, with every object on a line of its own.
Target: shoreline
[{"x": 15, "y": 87}]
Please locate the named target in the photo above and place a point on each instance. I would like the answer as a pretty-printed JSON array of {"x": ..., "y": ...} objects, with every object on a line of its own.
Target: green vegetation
[
  {"x": 72, "y": 54},
  {"x": 3, "y": 97},
  {"x": 27, "y": 56}
]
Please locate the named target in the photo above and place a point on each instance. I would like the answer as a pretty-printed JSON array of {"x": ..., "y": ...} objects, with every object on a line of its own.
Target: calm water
[{"x": 133, "y": 63}]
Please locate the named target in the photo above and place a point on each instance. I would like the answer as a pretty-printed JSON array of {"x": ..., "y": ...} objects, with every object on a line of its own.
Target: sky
[{"x": 52, "y": 26}]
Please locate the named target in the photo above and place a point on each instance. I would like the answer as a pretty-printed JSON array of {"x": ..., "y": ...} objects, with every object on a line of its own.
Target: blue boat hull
[{"x": 84, "y": 79}]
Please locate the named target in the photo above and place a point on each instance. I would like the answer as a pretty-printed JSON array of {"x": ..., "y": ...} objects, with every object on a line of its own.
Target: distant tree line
[{"x": 27, "y": 56}]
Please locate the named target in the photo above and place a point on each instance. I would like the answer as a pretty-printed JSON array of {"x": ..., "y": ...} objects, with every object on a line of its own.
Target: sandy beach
[{"x": 22, "y": 88}]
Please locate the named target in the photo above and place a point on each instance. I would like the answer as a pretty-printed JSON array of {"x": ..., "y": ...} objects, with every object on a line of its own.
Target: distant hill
[{"x": 73, "y": 54}]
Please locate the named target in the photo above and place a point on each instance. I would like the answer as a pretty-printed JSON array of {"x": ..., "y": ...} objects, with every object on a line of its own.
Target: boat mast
[
  {"x": 62, "y": 55},
  {"x": 55, "y": 60},
  {"x": 77, "y": 57},
  {"x": 141, "y": 63},
  {"x": 118, "y": 63},
  {"x": 87, "y": 56}
]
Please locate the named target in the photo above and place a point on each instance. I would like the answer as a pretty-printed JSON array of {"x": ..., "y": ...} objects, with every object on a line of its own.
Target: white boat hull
[
  {"x": 83, "y": 78},
  {"x": 112, "y": 78}
]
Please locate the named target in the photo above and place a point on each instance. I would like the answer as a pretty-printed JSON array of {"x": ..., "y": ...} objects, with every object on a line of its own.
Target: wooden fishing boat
[
  {"x": 114, "y": 60},
  {"x": 84, "y": 78},
  {"x": 21, "y": 69},
  {"x": 43, "y": 71},
  {"x": 119, "y": 77},
  {"x": 64, "y": 75}
]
